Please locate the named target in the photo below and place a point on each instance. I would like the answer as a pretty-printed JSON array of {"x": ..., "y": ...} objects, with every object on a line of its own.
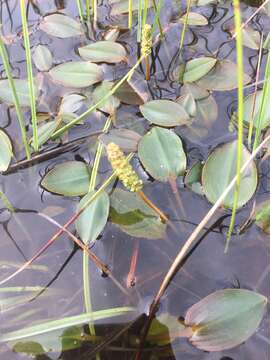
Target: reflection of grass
[
  {"x": 29, "y": 74},
  {"x": 7, "y": 68},
  {"x": 240, "y": 117}
]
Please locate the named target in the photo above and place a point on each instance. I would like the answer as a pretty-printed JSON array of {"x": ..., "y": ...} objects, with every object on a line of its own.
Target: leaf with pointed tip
[
  {"x": 76, "y": 74},
  {"x": 126, "y": 139},
  {"x": 193, "y": 178},
  {"x": 194, "y": 19},
  {"x": 22, "y": 90},
  {"x": 162, "y": 155},
  {"x": 109, "y": 105},
  {"x": 5, "y": 151},
  {"x": 249, "y": 110},
  {"x": 164, "y": 113},
  {"x": 122, "y": 6},
  {"x": 61, "y": 26},
  {"x": 42, "y": 58},
  {"x": 70, "y": 178},
  {"x": 225, "y": 318},
  {"x": 134, "y": 217},
  {"x": 222, "y": 77},
  {"x": 197, "y": 68},
  {"x": 220, "y": 169},
  {"x": 94, "y": 218},
  {"x": 103, "y": 51}
]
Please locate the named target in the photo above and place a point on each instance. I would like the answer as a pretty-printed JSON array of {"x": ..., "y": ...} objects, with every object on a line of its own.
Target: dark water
[{"x": 207, "y": 270}]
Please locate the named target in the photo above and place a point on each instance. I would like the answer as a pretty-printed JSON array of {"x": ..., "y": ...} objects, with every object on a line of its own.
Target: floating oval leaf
[
  {"x": 225, "y": 318},
  {"x": 22, "y": 89},
  {"x": 110, "y": 104},
  {"x": 45, "y": 131},
  {"x": 194, "y": 19},
  {"x": 122, "y": 6},
  {"x": 5, "y": 151},
  {"x": 70, "y": 178},
  {"x": 164, "y": 113},
  {"x": 248, "y": 110},
  {"x": 71, "y": 103},
  {"x": 195, "y": 91},
  {"x": 42, "y": 58},
  {"x": 94, "y": 218},
  {"x": 161, "y": 153},
  {"x": 126, "y": 139},
  {"x": 220, "y": 169},
  {"x": 76, "y": 74},
  {"x": 61, "y": 26},
  {"x": 197, "y": 68},
  {"x": 222, "y": 77},
  {"x": 262, "y": 216},
  {"x": 103, "y": 51},
  {"x": 193, "y": 178},
  {"x": 134, "y": 217}
]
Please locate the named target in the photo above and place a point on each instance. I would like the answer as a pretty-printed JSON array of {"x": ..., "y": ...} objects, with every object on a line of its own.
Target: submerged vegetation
[{"x": 119, "y": 108}]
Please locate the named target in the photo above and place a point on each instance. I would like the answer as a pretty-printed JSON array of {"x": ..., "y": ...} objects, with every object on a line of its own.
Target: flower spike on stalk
[
  {"x": 123, "y": 169},
  {"x": 146, "y": 44}
]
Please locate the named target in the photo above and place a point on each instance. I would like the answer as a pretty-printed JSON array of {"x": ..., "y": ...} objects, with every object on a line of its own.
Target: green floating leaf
[
  {"x": 70, "y": 178},
  {"x": 251, "y": 38},
  {"x": 220, "y": 169},
  {"x": 193, "y": 178},
  {"x": 222, "y": 77},
  {"x": 66, "y": 322},
  {"x": 45, "y": 131},
  {"x": 225, "y": 318},
  {"x": 262, "y": 216},
  {"x": 94, "y": 218},
  {"x": 164, "y": 113},
  {"x": 109, "y": 105},
  {"x": 103, "y": 51},
  {"x": 128, "y": 94},
  {"x": 61, "y": 26},
  {"x": 189, "y": 104},
  {"x": 195, "y": 91},
  {"x": 22, "y": 89},
  {"x": 248, "y": 110},
  {"x": 42, "y": 58},
  {"x": 76, "y": 74},
  {"x": 71, "y": 103},
  {"x": 122, "y": 6},
  {"x": 5, "y": 151},
  {"x": 31, "y": 348},
  {"x": 162, "y": 155},
  {"x": 194, "y": 19},
  {"x": 126, "y": 139},
  {"x": 197, "y": 68},
  {"x": 134, "y": 217}
]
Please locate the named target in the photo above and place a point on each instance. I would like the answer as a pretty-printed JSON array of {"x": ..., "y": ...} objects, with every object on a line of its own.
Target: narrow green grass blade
[
  {"x": 29, "y": 74},
  {"x": 18, "y": 109},
  {"x": 87, "y": 5},
  {"x": 184, "y": 27},
  {"x": 130, "y": 14},
  {"x": 64, "y": 323},
  {"x": 240, "y": 120},
  {"x": 80, "y": 9},
  {"x": 264, "y": 104},
  {"x": 156, "y": 21},
  {"x": 145, "y": 10},
  {"x": 139, "y": 27}
]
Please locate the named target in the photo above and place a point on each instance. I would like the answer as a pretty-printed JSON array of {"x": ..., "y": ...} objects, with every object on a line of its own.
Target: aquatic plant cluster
[{"x": 119, "y": 145}]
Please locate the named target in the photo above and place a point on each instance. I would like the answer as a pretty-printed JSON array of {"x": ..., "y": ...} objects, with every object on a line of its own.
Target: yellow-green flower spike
[
  {"x": 123, "y": 169},
  {"x": 146, "y": 44}
]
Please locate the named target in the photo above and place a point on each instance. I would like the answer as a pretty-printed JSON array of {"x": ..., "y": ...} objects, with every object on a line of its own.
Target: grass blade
[
  {"x": 53, "y": 325},
  {"x": 80, "y": 9},
  {"x": 7, "y": 68},
  {"x": 29, "y": 74}
]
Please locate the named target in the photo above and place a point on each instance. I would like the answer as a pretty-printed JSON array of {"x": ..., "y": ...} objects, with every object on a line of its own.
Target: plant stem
[
  {"x": 147, "y": 68},
  {"x": 87, "y": 5},
  {"x": 264, "y": 104},
  {"x": 80, "y": 9},
  {"x": 240, "y": 114},
  {"x": 94, "y": 107},
  {"x": 145, "y": 10},
  {"x": 7, "y": 68},
  {"x": 184, "y": 27},
  {"x": 86, "y": 277},
  {"x": 130, "y": 14},
  {"x": 145, "y": 198},
  {"x": 29, "y": 74},
  {"x": 157, "y": 19},
  {"x": 139, "y": 27}
]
